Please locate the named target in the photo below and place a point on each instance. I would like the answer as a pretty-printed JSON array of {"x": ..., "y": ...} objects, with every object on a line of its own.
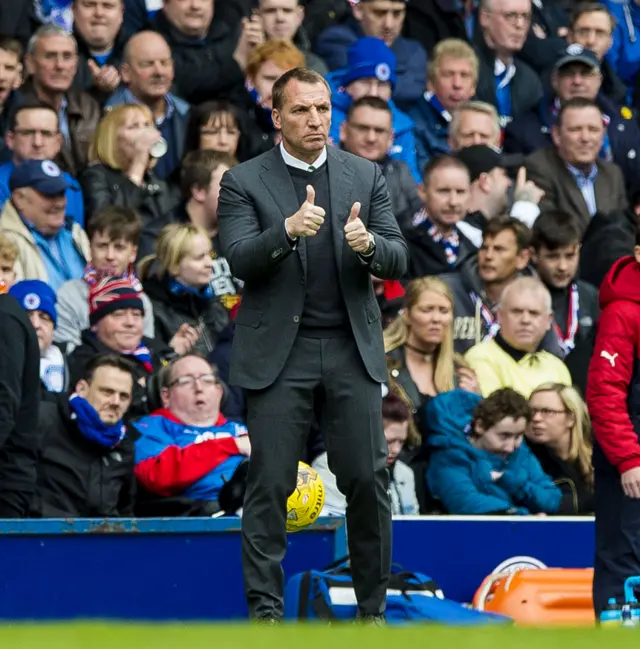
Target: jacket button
[{"x": 296, "y": 318}]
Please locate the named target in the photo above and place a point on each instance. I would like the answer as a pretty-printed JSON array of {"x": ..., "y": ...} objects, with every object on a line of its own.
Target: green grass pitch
[{"x": 196, "y": 636}]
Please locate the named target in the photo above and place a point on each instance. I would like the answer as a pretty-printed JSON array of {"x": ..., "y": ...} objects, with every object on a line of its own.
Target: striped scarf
[
  {"x": 92, "y": 275},
  {"x": 143, "y": 355}
]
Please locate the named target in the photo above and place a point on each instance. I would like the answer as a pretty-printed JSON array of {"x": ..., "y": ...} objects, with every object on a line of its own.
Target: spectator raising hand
[
  {"x": 184, "y": 339},
  {"x": 251, "y": 36}
]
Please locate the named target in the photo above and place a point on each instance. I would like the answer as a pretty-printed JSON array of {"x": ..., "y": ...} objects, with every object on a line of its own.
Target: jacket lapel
[
  {"x": 278, "y": 183},
  {"x": 341, "y": 190},
  {"x": 574, "y": 195}
]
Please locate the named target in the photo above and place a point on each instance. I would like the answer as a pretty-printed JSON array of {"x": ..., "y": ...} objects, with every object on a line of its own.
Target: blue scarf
[
  {"x": 92, "y": 427},
  {"x": 178, "y": 289},
  {"x": 256, "y": 98}
]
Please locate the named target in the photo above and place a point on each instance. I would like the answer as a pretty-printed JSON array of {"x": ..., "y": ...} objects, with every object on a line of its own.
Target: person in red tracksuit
[{"x": 613, "y": 398}]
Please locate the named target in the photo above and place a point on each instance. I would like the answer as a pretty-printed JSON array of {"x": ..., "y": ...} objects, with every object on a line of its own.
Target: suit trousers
[{"x": 326, "y": 377}]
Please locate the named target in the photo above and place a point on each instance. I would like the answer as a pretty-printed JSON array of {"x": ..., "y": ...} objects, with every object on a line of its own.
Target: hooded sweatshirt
[
  {"x": 468, "y": 480},
  {"x": 613, "y": 387}
]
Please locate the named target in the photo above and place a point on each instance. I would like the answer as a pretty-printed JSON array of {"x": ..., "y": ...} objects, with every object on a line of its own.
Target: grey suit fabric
[{"x": 290, "y": 378}]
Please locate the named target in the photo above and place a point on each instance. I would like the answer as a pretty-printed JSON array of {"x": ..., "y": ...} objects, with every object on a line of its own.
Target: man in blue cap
[
  {"x": 578, "y": 73},
  {"x": 372, "y": 72},
  {"x": 39, "y": 301},
  {"x": 51, "y": 247},
  {"x": 381, "y": 19}
]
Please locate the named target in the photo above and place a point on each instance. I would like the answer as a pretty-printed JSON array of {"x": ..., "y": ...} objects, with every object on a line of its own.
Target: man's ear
[
  {"x": 636, "y": 253},
  {"x": 276, "y": 118},
  {"x": 164, "y": 397},
  {"x": 82, "y": 388}
]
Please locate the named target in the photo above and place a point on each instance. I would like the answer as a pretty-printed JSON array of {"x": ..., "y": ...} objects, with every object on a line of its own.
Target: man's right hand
[
  {"x": 307, "y": 220},
  {"x": 631, "y": 482}
]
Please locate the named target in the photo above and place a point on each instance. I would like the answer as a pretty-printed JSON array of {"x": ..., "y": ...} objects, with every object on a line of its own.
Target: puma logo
[{"x": 611, "y": 358}]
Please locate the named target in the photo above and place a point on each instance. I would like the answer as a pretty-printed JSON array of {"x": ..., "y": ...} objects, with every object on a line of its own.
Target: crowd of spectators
[{"x": 508, "y": 135}]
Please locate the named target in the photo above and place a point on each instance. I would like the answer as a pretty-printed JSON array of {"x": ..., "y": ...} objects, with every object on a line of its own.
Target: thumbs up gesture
[
  {"x": 354, "y": 231},
  {"x": 308, "y": 219}
]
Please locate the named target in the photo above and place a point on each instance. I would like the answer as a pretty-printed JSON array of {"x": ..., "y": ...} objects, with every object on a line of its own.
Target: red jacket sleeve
[
  {"x": 176, "y": 468},
  {"x": 610, "y": 374}
]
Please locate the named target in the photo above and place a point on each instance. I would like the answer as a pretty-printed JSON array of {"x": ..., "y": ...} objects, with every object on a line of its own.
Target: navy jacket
[
  {"x": 532, "y": 131},
  {"x": 431, "y": 132},
  {"x": 333, "y": 43},
  {"x": 459, "y": 474}
]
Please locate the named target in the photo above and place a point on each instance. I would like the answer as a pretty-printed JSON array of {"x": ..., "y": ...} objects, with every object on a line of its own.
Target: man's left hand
[{"x": 355, "y": 232}]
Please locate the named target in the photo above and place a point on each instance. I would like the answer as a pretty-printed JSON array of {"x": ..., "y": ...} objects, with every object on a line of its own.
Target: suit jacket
[
  {"x": 550, "y": 173},
  {"x": 255, "y": 199}
]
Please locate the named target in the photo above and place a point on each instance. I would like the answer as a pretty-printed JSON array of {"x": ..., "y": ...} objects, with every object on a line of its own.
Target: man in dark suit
[
  {"x": 308, "y": 336},
  {"x": 570, "y": 173}
]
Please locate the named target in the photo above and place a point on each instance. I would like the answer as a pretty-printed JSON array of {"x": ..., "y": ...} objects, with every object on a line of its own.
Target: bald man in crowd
[
  {"x": 513, "y": 358},
  {"x": 147, "y": 75}
]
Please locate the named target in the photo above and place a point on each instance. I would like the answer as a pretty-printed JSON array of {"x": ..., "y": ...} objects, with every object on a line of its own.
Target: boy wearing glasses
[
  {"x": 613, "y": 399},
  {"x": 187, "y": 449}
]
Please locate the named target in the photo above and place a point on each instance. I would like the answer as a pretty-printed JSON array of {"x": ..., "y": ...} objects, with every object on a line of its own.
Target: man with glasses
[
  {"x": 187, "y": 450},
  {"x": 368, "y": 133},
  {"x": 592, "y": 27},
  {"x": 505, "y": 81},
  {"x": 33, "y": 134},
  {"x": 578, "y": 74}
]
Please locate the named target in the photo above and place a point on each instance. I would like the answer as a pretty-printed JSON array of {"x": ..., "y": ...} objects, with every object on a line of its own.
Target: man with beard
[
  {"x": 147, "y": 73},
  {"x": 436, "y": 244},
  {"x": 556, "y": 254},
  {"x": 477, "y": 288}
]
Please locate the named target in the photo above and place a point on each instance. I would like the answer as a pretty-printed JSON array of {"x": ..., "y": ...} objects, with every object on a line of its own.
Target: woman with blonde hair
[
  {"x": 122, "y": 156},
  {"x": 177, "y": 280},
  {"x": 419, "y": 348},
  {"x": 560, "y": 437}
]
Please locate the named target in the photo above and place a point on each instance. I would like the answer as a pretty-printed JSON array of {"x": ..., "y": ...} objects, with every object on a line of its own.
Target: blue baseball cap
[
  {"x": 576, "y": 53},
  {"x": 42, "y": 175},
  {"x": 370, "y": 58},
  {"x": 36, "y": 295}
]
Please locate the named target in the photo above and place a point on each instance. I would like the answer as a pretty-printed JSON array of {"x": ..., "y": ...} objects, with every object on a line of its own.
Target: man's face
[
  {"x": 576, "y": 80},
  {"x": 381, "y": 18},
  {"x": 558, "y": 267},
  {"x": 495, "y": 185},
  {"x": 45, "y": 213},
  {"x": 305, "y": 117},
  {"x": 367, "y": 133},
  {"x": 369, "y": 87},
  {"x": 121, "y": 330},
  {"x": 503, "y": 438},
  {"x": 209, "y": 197},
  {"x": 266, "y": 76},
  {"x": 7, "y": 273},
  {"x": 281, "y": 18},
  {"x": 579, "y": 138},
  {"x": 53, "y": 63},
  {"x": 499, "y": 259},
  {"x": 445, "y": 196},
  {"x": 114, "y": 256},
  {"x": 505, "y": 24},
  {"x": 593, "y": 31},
  {"x": 149, "y": 70},
  {"x": 524, "y": 319},
  {"x": 43, "y": 324},
  {"x": 454, "y": 82},
  {"x": 109, "y": 392},
  {"x": 194, "y": 393},
  {"x": 10, "y": 74},
  {"x": 98, "y": 21},
  {"x": 395, "y": 433},
  {"x": 474, "y": 128},
  {"x": 191, "y": 17},
  {"x": 36, "y": 135}
]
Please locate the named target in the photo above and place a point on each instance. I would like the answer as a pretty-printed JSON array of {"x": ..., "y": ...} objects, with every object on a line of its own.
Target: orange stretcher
[{"x": 544, "y": 597}]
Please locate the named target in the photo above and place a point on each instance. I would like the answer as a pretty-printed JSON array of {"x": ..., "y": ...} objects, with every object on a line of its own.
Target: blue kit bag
[{"x": 411, "y": 597}]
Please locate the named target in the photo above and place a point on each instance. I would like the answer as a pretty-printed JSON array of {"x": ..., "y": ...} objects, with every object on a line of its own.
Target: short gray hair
[
  {"x": 45, "y": 32},
  {"x": 474, "y": 107},
  {"x": 527, "y": 284}
]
